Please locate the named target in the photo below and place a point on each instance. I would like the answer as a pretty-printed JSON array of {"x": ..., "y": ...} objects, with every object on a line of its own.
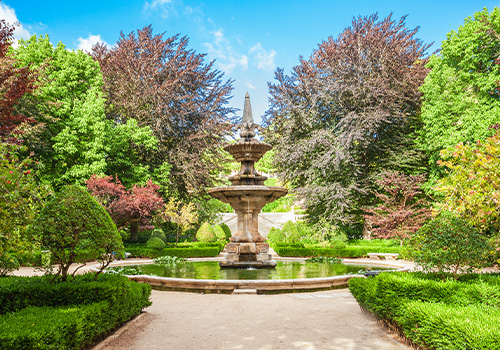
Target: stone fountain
[{"x": 247, "y": 195}]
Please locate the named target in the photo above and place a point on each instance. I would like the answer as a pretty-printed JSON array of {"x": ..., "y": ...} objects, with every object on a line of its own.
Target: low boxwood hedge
[
  {"x": 181, "y": 252},
  {"x": 448, "y": 314},
  {"x": 342, "y": 252},
  {"x": 36, "y": 314}
]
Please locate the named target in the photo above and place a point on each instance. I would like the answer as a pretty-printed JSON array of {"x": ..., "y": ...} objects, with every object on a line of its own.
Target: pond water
[{"x": 284, "y": 270}]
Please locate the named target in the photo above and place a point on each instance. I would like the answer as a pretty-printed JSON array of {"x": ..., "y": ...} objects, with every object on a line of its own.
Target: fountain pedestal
[{"x": 247, "y": 195}]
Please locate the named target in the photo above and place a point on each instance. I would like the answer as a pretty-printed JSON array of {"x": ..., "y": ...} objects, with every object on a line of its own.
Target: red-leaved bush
[
  {"x": 403, "y": 208},
  {"x": 126, "y": 207}
]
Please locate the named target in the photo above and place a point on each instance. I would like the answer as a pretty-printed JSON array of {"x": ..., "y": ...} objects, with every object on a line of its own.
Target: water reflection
[{"x": 284, "y": 270}]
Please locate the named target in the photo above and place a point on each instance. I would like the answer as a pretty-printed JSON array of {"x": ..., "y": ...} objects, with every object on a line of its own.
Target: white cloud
[
  {"x": 86, "y": 44},
  {"x": 250, "y": 85},
  {"x": 164, "y": 7},
  {"x": 227, "y": 58},
  {"x": 9, "y": 14},
  {"x": 265, "y": 59}
]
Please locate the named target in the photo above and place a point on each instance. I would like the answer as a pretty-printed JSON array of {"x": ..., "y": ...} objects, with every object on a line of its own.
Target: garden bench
[{"x": 380, "y": 256}]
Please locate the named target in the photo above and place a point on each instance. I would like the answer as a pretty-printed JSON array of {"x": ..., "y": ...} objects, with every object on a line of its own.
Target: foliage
[
  {"x": 219, "y": 233},
  {"x": 472, "y": 186},
  {"x": 291, "y": 232},
  {"x": 206, "y": 233},
  {"x": 74, "y": 226},
  {"x": 266, "y": 163},
  {"x": 439, "y": 314},
  {"x": 183, "y": 215},
  {"x": 126, "y": 207},
  {"x": 227, "y": 230},
  {"x": 349, "y": 251},
  {"x": 346, "y": 113},
  {"x": 403, "y": 209},
  {"x": 155, "y": 243},
  {"x": 20, "y": 199},
  {"x": 164, "y": 85},
  {"x": 187, "y": 252},
  {"x": 448, "y": 244},
  {"x": 39, "y": 315},
  {"x": 324, "y": 259},
  {"x": 460, "y": 93},
  {"x": 167, "y": 259},
  {"x": 280, "y": 205},
  {"x": 16, "y": 80},
  {"x": 8, "y": 263},
  {"x": 158, "y": 232}
]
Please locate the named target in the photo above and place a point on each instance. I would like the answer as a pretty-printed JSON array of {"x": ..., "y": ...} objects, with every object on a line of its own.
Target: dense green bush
[
  {"x": 158, "y": 232},
  {"x": 8, "y": 263},
  {"x": 227, "y": 230},
  {"x": 291, "y": 232},
  {"x": 74, "y": 227},
  {"x": 449, "y": 244},
  {"x": 155, "y": 243},
  {"x": 433, "y": 313},
  {"x": 206, "y": 233},
  {"x": 35, "y": 314},
  {"x": 219, "y": 233}
]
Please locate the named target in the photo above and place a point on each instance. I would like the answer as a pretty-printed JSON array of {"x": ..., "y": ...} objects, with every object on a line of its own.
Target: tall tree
[
  {"x": 347, "y": 113},
  {"x": 77, "y": 140},
  {"x": 168, "y": 87},
  {"x": 15, "y": 81},
  {"x": 461, "y": 99}
]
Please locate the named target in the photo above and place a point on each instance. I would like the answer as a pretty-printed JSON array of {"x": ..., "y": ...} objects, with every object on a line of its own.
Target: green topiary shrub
[
  {"x": 74, "y": 227},
  {"x": 449, "y": 244},
  {"x": 227, "y": 231},
  {"x": 219, "y": 233},
  {"x": 206, "y": 233},
  {"x": 291, "y": 232},
  {"x": 155, "y": 243},
  {"x": 158, "y": 232}
]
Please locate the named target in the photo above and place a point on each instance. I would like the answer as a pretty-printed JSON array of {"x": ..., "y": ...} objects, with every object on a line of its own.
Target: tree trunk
[{"x": 134, "y": 230}]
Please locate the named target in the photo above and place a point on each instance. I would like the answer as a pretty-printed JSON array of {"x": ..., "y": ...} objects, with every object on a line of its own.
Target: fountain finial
[{"x": 247, "y": 126}]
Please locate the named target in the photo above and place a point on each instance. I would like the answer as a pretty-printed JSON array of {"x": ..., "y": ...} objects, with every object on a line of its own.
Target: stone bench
[{"x": 381, "y": 256}]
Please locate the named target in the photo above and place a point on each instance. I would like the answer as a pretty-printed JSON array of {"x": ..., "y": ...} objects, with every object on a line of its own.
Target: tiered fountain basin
[{"x": 228, "y": 283}]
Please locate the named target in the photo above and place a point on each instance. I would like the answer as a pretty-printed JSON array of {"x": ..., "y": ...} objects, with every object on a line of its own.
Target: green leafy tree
[
  {"x": 20, "y": 199},
  {"x": 74, "y": 227},
  {"x": 449, "y": 244},
  {"x": 460, "y": 92},
  {"x": 183, "y": 215},
  {"x": 76, "y": 139},
  {"x": 472, "y": 185},
  {"x": 219, "y": 233},
  {"x": 347, "y": 113}
]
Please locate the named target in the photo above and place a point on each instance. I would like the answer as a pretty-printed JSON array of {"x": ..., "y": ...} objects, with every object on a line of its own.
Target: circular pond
[
  {"x": 285, "y": 270},
  {"x": 289, "y": 276}
]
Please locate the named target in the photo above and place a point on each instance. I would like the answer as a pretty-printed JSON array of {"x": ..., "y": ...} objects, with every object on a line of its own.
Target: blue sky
[{"x": 248, "y": 39}]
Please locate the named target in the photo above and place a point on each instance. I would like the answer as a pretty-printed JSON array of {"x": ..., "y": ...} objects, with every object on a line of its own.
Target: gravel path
[{"x": 312, "y": 321}]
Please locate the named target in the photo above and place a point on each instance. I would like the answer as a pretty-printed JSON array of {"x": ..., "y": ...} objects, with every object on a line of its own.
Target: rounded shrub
[
  {"x": 276, "y": 235},
  {"x": 8, "y": 263},
  {"x": 155, "y": 243},
  {"x": 227, "y": 230},
  {"x": 158, "y": 232},
  {"x": 219, "y": 233},
  {"x": 448, "y": 244},
  {"x": 206, "y": 233},
  {"x": 74, "y": 227},
  {"x": 291, "y": 232}
]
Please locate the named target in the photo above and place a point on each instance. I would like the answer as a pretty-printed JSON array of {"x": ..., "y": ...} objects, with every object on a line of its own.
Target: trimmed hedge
[
  {"x": 344, "y": 252},
  {"x": 438, "y": 314},
  {"x": 181, "y": 252},
  {"x": 85, "y": 310}
]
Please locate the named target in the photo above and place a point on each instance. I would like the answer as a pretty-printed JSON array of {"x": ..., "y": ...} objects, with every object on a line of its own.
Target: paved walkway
[{"x": 308, "y": 321}]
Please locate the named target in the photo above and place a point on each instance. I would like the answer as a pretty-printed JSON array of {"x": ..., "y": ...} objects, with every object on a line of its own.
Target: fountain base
[{"x": 247, "y": 254}]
